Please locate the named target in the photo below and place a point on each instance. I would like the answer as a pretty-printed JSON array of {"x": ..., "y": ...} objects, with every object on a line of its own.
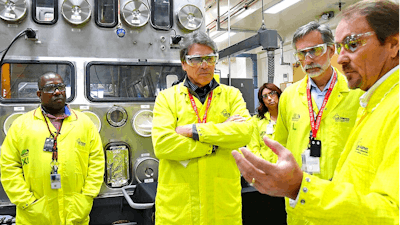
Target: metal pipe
[
  {"x": 218, "y": 25},
  {"x": 281, "y": 59}
]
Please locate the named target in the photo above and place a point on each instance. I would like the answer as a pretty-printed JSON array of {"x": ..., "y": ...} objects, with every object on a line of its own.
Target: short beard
[{"x": 323, "y": 68}]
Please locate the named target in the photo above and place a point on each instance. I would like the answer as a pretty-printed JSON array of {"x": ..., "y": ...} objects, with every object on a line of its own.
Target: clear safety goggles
[
  {"x": 353, "y": 42},
  {"x": 271, "y": 94},
  {"x": 197, "y": 60},
  {"x": 51, "y": 88},
  {"x": 313, "y": 52}
]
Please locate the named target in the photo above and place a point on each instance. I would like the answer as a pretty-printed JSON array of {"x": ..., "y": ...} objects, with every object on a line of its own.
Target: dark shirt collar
[{"x": 200, "y": 92}]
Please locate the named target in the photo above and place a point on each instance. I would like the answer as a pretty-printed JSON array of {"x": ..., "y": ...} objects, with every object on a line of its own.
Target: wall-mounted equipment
[
  {"x": 162, "y": 14},
  {"x": 146, "y": 169},
  {"x": 10, "y": 119},
  {"x": 76, "y": 12},
  {"x": 142, "y": 122},
  {"x": 94, "y": 118},
  {"x": 45, "y": 11},
  {"x": 106, "y": 13},
  {"x": 117, "y": 116},
  {"x": 12, "y": 10},
  {"x": 189, "y": 17},
  {"x": 117, "y": 164},
  {"x": 136, "y": 13}
]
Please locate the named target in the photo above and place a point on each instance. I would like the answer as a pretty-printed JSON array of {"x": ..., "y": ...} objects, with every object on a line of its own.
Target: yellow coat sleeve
[
  {"x": 12, "y": 177},
  {"x": 167, "y": 143}
]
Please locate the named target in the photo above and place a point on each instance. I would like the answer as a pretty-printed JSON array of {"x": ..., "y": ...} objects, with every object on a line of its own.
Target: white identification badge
[
  {"x": 310, "y": 163},
  {"x": 55, "y": 181},
  {"x": 270, "y": 128}
]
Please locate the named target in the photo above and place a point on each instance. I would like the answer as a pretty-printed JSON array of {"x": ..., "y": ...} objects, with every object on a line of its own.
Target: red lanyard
[
  {"x": 315, "y": 123},
  {"x": 55, "y": 152},
  {"x": 195, "y": 107}
]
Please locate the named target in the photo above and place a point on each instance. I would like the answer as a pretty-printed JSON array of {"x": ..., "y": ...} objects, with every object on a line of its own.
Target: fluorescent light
[
  {"x": 280, "y": 6},
  {"x": 223, "y": 37}
]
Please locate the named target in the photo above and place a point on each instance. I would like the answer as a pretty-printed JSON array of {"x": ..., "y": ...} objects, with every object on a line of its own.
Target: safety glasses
[
  {"x": 271, "y": 94},
  {"x": 197, "y": 60},
  {"x": 353, "y": 42},
  {"x": 51, "y": 88},
  {"x": 313, "y": 52}
]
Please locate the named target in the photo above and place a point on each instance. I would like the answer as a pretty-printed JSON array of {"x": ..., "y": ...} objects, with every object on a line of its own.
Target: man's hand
[
  {"x": 235, "y": 118},
  {"x": 185, "y": 130},
  {"x": 280, "y": 179}
]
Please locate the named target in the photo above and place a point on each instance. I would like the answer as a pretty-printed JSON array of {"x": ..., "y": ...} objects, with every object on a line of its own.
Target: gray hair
[
  {"x": 197, "y": 37},
  {"x": 327, "y": 36}
]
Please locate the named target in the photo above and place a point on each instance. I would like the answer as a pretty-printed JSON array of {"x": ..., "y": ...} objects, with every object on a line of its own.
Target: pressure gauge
[
  {"x": 189, "y": 17},
  {"x": 10, "y": 119},
  {"x": 76, "y": 11},
  {"x": 136, "y": 13},
  {"x": 142, "y": 123},
  {"x": 94, "y": 118},
  {"x": 117, "y": 116},
  {"x": 12, "y": 10}
]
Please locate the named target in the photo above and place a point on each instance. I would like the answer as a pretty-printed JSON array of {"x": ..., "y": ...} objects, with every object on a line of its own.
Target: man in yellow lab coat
[
  {"x": 365, "y": 184},
  {"x": 199, "y": 182},
  {"x": 324, "y": 93},
  {"x": 52, "y": 160}
]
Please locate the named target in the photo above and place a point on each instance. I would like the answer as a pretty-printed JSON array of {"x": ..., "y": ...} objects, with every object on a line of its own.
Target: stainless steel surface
[
  {"x": 85, "y": 43},
  {"x": 142, "y": 122},
  {"x": 146, "y": 169},
  {"x": 13, "y": 10},
  {"x": 76, "y": 11},
  {"x": 136, "y": 13},
  {"x": 190, "y": 17}
]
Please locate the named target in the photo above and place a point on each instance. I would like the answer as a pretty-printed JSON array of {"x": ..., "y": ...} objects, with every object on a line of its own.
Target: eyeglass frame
[
  {"x": 189, "y": 57},
  {"x": 60, "y": 86},
  {"x": 309, "y": 52},
  {"x": 352, "y": 38},
  {"x": 271, "y": 94}
]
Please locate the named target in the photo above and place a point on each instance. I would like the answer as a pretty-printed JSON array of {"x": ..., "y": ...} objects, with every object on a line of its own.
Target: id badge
[
  {"x": 270, "y": 129},
  {"x": 55, "y": 181},
  {"x": 48, "y": 145},
  {"x": 310, "y": 164}
]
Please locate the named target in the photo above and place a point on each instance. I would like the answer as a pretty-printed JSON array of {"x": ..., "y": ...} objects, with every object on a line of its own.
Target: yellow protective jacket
[
  {"x": 25, "y": 169},
  {"x": 365, "y": 186},
  {"x": 207, "y": 191},
  {"x": 256, "y": 144},
  {"x": 293, "y": 125}
]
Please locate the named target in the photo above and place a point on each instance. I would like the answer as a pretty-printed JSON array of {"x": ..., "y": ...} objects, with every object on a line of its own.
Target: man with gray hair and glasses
[
  {"x": 196, "y": 125},
  {"x": 317, "y": 113},
  {"x": 365, "y": 184}
]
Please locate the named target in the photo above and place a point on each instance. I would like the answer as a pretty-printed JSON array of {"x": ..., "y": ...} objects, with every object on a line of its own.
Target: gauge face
[
  {"x": 12, "y": 10},
  {"x": 146, "y": 170},
  {"x": 94, "y": 118},
  {"x": 76, "y": 11},
  {"x": 142, "y": 122},
  {"x": 117, "y": 116},
  {"x": 190, "y": 17},
  {"x": 9, "y": 121},
  {"x": 136, "y": 13}
]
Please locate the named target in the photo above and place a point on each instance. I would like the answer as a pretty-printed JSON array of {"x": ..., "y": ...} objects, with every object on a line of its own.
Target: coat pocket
[
  {"x": 173, "y": 204},
  {"x": 36, "y": 213},
  {"x": 79, "y": 209}
]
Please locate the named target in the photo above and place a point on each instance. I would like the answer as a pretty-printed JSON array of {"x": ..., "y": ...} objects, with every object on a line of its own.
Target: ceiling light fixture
[{"x": 281, "y": 6}]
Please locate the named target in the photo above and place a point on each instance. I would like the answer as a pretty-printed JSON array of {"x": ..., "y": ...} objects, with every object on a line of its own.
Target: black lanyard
[{"x": 55, "y": 150}]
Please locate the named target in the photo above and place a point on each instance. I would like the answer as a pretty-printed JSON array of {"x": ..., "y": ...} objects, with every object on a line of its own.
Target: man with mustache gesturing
[{"x": 317, "y": 113}]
